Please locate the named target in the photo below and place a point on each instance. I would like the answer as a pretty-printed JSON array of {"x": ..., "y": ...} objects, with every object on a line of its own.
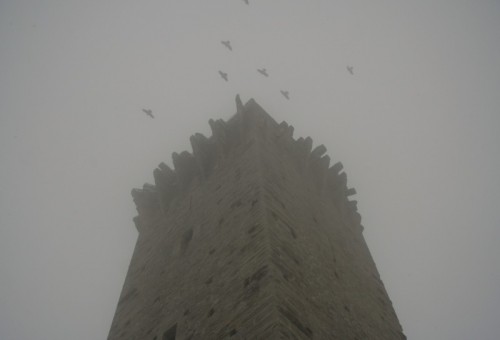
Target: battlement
[{"x": 250, "y": 121}]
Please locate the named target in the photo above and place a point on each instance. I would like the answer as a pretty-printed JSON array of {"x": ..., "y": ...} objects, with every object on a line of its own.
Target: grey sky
[{"x": 417, "y": 127}]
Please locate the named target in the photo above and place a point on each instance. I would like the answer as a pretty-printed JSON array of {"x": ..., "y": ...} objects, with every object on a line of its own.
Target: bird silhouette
[
  {"x": 223, "y": 75},
  {"x": 285, "y": 94},
  {"x": 350, "y": 69},
  {"x": 148, "y": 112},
  {"x": 227, "y": 44},
  {"x": 263, "y": 72}
]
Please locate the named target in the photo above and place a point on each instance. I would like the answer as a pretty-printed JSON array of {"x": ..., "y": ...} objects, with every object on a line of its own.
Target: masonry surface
[{"x": 251, "y": 236}]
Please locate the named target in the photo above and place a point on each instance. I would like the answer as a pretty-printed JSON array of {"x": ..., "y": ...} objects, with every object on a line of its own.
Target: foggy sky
[{"x": 417, "y": 128}]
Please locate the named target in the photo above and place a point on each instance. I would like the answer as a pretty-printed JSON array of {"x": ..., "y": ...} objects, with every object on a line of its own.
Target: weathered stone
[
  {"x": 318, "y": 151},
  {"x": 353, "y": 205},
  {"x": 147, "y": 203},
  {"x": 350, "y": 192},
  {"x": 308, "y": 145},
  {"x": 336, "y": 168},
  {"x": 166, "y": 184},
  {"x": 185, "y": 167},
  {"x": 204, "y": 152},
  {"x": 219, "y": 136},
  {"x": 320, "y": 171}
]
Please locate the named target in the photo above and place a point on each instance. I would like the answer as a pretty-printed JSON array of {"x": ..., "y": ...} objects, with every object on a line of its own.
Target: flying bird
[
  {"x": 285, "y": 94},
  {"x": 148, "y": 112},
  {"x": 227, "y": 44},
  {"x": 223, "y": 75},
  {"x": 350, "y": 69},
  {"x": 263, "y": 72}
]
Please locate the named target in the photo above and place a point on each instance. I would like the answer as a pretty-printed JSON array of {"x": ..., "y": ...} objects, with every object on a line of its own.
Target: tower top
[{"x": 250, "y": 122}]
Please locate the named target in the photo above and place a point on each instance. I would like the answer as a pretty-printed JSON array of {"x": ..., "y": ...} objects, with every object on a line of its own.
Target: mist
[{"x": 416, "y": 125}]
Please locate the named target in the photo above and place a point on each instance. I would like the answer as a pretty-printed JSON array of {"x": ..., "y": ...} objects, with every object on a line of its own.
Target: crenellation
[
  {"x": 319, "y": 169},
  {"x": 147, "y": 204},
  {"x": 167, "y": 185},
  {"x": 204, "y": 152},
  {"x": 350, "y": 192},
  {"x": 308, "y": 143},
  {"x": 335, "y": 169},
  {"x": 284, "y": 136},
  {"x": 227, "y": 136},
  {"x": 339, "y": 181},
  {"x": 318, "y": 151},
  {"x": 219, "y": 137},
  {"x": 301, "y": 149},
  {"x": 353, "y": 205},
  {"x": 185, "y": 167},
  {"x": 239, "y": 105},
  {"x": 283, "y": 126}
]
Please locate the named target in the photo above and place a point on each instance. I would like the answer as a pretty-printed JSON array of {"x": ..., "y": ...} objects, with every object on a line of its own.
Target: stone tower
[{"x": 251, "y": 236}]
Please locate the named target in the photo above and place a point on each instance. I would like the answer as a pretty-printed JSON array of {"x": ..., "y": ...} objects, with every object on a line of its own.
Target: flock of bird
[
  {"x": 262, "y": 71},
  {"x": 227, "y": 43}
]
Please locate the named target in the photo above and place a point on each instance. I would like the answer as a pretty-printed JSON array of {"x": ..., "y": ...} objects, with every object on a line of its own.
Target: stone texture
[{"x": 251, "y": 236}]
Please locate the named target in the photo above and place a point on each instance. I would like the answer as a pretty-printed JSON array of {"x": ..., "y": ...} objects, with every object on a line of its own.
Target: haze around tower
[{"x": 416, "y": 126}]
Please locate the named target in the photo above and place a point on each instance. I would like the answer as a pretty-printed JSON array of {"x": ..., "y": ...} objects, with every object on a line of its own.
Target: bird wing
[{"x": 223, "y": 75}]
